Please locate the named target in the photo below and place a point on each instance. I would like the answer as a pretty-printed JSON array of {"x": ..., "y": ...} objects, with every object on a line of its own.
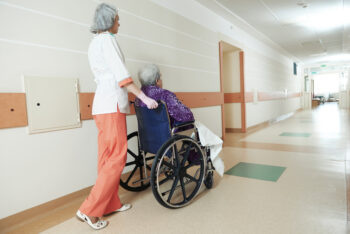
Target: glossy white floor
[{"x": 309, "y": 197}]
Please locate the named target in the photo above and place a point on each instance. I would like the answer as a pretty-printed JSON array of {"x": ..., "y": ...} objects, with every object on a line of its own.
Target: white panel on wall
[{"x": 52, "y": 103}]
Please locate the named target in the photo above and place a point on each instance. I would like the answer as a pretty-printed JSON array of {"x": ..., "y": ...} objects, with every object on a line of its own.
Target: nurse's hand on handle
[{"x": 150, "y": 103}]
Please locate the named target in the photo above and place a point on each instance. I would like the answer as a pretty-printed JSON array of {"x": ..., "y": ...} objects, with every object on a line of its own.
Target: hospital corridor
[
  {"x": 187, "y": 116},
  {"x": 308, "y": 194}
]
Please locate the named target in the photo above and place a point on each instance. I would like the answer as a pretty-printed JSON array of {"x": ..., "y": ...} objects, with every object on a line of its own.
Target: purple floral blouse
[{"x": 178, "y": 112}]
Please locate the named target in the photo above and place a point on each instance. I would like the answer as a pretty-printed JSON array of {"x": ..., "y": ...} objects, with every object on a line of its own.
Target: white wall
[
  {"x": 306, "y": 100},
  {"x": 269, "y": 75},
  {"x": 50, "y": 38},
  {"x": 233, "y": 117},
  {"x": 344, "y": 92},
  {"x": 266, "y": 68}
]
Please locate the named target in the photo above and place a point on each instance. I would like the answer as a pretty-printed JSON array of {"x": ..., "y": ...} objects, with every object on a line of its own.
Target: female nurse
[{"x": 109, "y": 111}]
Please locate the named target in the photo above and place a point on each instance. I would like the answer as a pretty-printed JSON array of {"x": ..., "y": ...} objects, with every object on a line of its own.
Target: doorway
[
  {"x": 232, "y": 82},
  {"x": 326, "y": 88}
]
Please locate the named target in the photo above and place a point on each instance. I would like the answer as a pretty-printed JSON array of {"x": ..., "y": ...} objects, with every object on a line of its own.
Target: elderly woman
[
  {"x": 149, "y": 77},
  {"x": 109, "y": 110}
]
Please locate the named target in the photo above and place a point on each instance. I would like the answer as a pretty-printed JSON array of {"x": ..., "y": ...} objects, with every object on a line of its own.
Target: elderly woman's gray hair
[
  {"x": 149, "y": 74},
  {"x": 104, "y": 18}
]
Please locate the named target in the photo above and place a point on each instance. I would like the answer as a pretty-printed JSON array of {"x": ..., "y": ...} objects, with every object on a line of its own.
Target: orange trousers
[{"x": 112, "y": 153}]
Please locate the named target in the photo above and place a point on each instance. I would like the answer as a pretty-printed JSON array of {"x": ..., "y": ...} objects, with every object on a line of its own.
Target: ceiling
[{"x": 313, "y": 31}]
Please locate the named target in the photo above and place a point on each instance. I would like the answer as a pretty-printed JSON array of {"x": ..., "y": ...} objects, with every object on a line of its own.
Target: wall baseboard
[
  {"x": 20, "y": 218},
  {"x": 233, "y": 130},
  {"x": 258, "y": 126},
  {"x": 272, "y": 121}
]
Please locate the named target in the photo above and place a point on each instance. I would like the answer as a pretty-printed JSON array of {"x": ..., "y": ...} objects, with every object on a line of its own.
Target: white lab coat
[{"x": 107, "y": 63}]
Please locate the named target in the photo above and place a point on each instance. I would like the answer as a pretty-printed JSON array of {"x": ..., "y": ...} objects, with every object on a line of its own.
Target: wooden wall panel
[
  {"x": 132, "y": 99},
  {"x": 249, "y": 97},
  {"x": 13, "y": 110},
  {"x": 221, "y": 62},
  {"x": 268, "y": 96},
  {"x": 192, "y": 100},
  {"x": 294, "y": 95},
  {"x": 85, "y": 101},
  {"x": 242, "y": 89},
  {"x": 232, "y": 98},
  {"x": 201, "y": 99},
  {"x": 262, "y": 96}
]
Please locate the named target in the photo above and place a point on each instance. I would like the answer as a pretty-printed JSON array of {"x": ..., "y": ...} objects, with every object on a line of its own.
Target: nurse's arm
[{"x": 151, "y": 104}]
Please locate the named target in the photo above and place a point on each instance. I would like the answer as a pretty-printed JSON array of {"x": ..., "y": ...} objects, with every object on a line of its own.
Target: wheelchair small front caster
[{"x": 209, "y": 180}]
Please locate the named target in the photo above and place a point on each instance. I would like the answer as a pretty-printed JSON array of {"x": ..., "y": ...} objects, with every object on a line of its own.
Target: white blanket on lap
[{"x": 208, "y": 138}]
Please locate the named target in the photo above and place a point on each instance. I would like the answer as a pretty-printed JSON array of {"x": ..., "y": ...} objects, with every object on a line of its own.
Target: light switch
[{"x": 52, "y": 103}]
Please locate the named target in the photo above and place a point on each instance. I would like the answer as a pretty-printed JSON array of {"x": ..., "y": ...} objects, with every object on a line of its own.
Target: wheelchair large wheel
[
  {"x": 133, "y": 179},
  {"x": 175, "y": 177}
]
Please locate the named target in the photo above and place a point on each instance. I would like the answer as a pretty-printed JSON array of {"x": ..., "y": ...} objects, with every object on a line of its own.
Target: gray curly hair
[
  {"x": 149, "y": 74},
  {"x": 104, "y": 18}
]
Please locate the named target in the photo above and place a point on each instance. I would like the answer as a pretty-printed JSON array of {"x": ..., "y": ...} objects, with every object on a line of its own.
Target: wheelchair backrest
[{"x": 153, "y": 127}]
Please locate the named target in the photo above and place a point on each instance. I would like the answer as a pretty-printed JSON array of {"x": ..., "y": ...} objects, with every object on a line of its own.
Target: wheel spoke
[
  {"x": 132, "y": 173},
  {"x": 164, "y": 180},
  {"x": 168, "y": 164},
  {"x": 132, "y": 153},
  {"x": 173, "y": 188},
  {"x": 191, "y": 178},
  {"x": 130, "y": 163},
  {"x": 190, "y": 165},
  {"x": 176, "y": 155},
  {"x": 183, "y": 188},
  {"x": 150, "y": 158},
  {"x": 187, "y": 153}
]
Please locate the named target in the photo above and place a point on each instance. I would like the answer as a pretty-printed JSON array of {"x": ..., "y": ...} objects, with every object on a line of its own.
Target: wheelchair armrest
[{"x": 181, "y": 125}]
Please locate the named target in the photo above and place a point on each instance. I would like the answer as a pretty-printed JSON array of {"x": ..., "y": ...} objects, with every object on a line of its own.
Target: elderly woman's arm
[{"x": 177, "y": 110}]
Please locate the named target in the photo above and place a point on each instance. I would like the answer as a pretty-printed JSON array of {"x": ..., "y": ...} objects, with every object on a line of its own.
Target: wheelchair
[{"x": 175, "y": 165}]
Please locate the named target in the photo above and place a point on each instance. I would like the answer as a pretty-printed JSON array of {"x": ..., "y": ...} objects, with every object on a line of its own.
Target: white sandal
[
  {"x": 97, "y": 226},
  {"x": 124, "y": 208},
  {"x": 121, "y": 209}
]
